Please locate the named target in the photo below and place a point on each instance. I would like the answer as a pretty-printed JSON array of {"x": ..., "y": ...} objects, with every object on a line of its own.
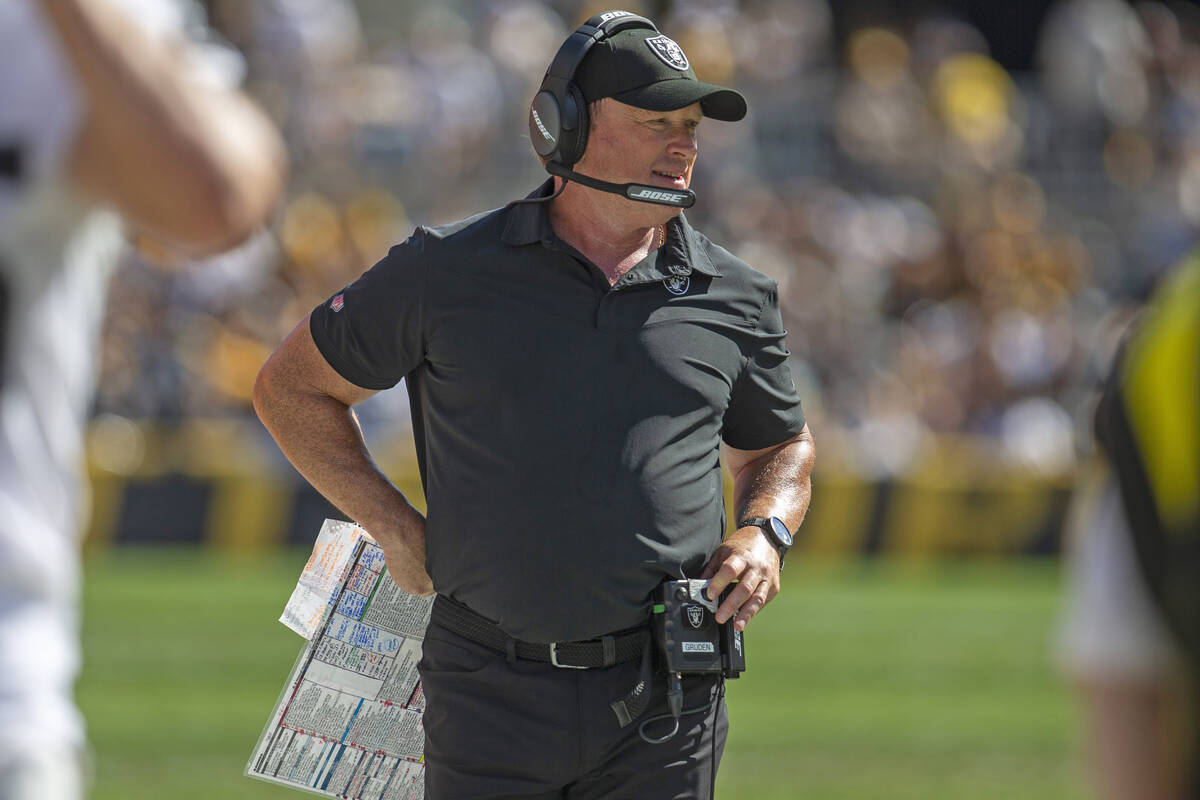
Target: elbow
[
  {"x": 806, "y": 457},
  {"x": 262, "y": 394},
  {"x": 809, "y": 446},
  {"x": 243, "y": 177},
  {"x": 223, "y": 210},
  {"x": 197, "y": 186},
  {"x": 249, "y": 199},
  {"x": 231, "y": 176},
  {"x": 236, "y": 204}
]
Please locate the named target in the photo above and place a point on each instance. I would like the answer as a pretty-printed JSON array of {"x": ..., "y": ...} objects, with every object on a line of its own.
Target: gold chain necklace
[{"x": 662, "y": 235}]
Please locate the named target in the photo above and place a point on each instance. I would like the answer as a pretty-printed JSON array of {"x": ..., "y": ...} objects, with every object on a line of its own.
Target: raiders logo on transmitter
[
  {"x": 668, "y": 52},
  {"x": 695, "y": 616}
]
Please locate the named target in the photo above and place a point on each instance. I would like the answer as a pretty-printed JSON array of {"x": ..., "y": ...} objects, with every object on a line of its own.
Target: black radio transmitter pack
[{"x": 690, "y": 640}]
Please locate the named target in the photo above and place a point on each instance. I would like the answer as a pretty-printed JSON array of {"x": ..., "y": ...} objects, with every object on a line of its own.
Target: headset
[{"x": 558, "y": 115}]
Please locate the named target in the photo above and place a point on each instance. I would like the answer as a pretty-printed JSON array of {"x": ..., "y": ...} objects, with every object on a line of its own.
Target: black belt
[{"x": 605, "y": 651}]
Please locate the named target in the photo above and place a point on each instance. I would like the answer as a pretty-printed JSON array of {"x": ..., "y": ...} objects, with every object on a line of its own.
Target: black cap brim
[{"x": 715, "y": 101}]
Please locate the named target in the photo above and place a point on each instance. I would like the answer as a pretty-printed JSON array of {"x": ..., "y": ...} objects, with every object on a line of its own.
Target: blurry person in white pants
[{"x": 116, "y": 117}]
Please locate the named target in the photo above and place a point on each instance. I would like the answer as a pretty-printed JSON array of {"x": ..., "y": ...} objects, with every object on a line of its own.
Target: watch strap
[{"x": 764, "y": 524}]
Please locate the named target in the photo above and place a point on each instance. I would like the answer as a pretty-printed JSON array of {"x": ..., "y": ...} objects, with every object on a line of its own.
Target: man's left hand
[{"x": 748, "y": 558}]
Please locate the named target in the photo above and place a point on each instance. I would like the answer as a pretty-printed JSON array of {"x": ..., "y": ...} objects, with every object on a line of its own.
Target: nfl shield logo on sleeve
[{"x": 337, "y": 302}]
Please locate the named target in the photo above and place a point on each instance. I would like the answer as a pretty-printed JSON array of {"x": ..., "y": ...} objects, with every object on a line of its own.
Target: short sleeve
[
  {"x": 371, "y": 332},
  {"x": 764, "y": 409}
]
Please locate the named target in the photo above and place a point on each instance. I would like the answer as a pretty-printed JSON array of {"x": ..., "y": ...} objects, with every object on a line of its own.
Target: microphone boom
[{"x": 640, "y": 192}]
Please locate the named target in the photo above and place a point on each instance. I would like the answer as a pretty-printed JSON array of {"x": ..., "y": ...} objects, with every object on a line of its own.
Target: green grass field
[{"x": 866, "y": 680}]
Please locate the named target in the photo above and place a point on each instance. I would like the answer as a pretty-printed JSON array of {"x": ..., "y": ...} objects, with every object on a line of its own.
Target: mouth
[{"x": 675, "y": 179}]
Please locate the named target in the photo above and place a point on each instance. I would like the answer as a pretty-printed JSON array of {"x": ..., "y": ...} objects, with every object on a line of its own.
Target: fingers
[
  {"x": 407, "y": 573},
  {"x": 723, "y": 572},
  {"x": 753, "y": 589},
  {"x": 412, "y": 582},
  {"x": 746, "y": 599},
  {"x": 758, "y": 598},
  {"x": 755, "y": 579}
]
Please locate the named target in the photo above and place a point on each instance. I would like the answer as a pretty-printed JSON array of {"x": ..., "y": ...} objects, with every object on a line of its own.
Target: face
[{"x": 633, "y": 145}]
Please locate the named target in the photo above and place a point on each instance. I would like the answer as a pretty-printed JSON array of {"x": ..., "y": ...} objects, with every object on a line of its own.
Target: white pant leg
[
  {"x": 46, "y": 775},
  {"x": 40, "y": 727},
  {"x": 1110, "y": 627}
]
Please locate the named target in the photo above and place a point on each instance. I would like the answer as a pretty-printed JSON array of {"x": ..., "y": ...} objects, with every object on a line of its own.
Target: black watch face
[{"x": 782, "y": 534}]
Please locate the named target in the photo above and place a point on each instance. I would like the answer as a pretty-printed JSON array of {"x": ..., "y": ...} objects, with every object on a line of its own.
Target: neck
[{"x": 613, "y": 232}]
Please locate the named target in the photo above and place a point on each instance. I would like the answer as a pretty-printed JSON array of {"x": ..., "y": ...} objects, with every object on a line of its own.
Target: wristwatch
[{"x": 776, "y": 530}]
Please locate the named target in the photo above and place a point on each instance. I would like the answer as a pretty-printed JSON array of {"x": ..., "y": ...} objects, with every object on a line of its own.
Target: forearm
[
  {"x": 773, "y": 482},
  {"x": 320, "y": 436},
  {"x": 777, "y": 484},
  {"x": 306, "y": 405},
  {"x": 148, "y": 125}
]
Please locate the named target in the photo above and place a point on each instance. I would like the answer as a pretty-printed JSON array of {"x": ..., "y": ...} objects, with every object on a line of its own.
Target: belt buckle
[{"x": 555, "y": 662}]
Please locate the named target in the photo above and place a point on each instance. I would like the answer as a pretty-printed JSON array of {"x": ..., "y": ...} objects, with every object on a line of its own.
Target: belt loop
[
  {"x": 610, "y": 650},
  {"x": 510, "y": 647}
]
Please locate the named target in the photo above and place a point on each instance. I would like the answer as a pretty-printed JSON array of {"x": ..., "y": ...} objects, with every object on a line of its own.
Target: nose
[{"x": 683, "y": 141}]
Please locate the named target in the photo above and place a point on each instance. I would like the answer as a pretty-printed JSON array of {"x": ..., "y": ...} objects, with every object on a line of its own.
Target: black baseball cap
[{"x": 643, "y": 68}]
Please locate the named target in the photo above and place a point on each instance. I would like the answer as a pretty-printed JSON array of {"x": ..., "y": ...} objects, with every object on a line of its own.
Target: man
[
  {"x": 101, "y": 105},
  {"x": 1131, "y": 641},
  {"x": 576, "y": 362}
]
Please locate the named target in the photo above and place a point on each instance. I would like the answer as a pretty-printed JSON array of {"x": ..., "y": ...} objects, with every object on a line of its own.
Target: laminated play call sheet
[{"x": 348, "y": 722}]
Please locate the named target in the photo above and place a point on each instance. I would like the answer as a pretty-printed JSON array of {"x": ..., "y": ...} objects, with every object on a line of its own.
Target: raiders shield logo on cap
[{"x": 668, "y": 52}]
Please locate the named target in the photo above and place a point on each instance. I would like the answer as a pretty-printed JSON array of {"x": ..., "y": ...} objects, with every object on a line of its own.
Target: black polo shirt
[{"x": 567, "y": 431}]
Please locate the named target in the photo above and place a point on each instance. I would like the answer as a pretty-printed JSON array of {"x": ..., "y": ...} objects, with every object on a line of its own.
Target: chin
[{"x": 656, "y": 215}]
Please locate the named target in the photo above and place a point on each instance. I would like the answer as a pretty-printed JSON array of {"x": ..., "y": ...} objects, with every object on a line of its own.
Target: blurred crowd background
[{"x": 962, "y": 203}]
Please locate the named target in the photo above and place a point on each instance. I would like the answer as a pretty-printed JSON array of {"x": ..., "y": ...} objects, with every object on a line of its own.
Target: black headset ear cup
[
  {"x": 545, "y": 126},
  {"x": 579, "y": 131},
  {"x": 558, "y": 116}
]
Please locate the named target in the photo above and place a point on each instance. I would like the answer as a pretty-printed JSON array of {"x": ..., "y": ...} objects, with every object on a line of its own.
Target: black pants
[{"x": 498, "y": 729}]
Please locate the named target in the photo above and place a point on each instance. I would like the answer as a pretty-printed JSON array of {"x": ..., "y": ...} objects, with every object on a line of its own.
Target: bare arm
[
  {"x": 306, "y": 406},
  {"x": 774, "y": 482},
  {"x": 1133, "y": 738},
  {"x": 194, "y": 166}
]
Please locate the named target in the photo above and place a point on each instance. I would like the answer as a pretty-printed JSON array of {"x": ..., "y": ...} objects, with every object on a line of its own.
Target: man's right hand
[{"x": 406, "y": 561}]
